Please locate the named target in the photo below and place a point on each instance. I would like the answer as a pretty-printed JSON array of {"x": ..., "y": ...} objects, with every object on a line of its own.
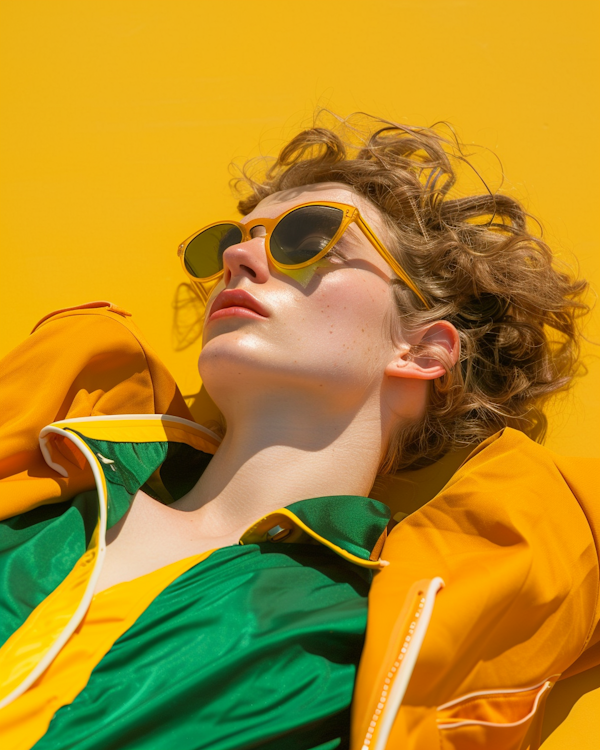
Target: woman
[{"x": 359, "y": 320}]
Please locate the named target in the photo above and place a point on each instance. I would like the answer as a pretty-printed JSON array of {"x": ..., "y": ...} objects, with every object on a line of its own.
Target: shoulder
[{"x": 512, "y": 469}]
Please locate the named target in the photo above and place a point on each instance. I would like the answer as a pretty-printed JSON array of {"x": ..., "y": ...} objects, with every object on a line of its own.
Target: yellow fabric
[
  {"x": 146, "y": 431},
  {"x": 514, "y": 543},
  {"x": 111, "y": 613},
  {"x": 77, "y": 363},
  {"x": 29, "y": 644}
]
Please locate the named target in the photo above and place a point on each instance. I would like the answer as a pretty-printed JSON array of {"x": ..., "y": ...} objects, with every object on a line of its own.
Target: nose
[{"x": 248, "y": 258}]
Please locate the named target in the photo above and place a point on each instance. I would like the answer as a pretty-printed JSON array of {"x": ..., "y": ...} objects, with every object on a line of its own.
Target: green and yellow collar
[{"x": 164, "y": 456}]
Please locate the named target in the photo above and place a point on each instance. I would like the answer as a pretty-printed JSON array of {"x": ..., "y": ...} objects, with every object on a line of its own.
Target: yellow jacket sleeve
[{"x": 79, "y": 362}]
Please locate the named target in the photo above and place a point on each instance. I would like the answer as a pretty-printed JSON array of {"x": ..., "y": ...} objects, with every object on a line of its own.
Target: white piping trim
[
  {"x": 396, "y": 695},
  {"x": 60, "y": 469},
  {"x": 496, "y": 692},
  {"x": 123, "y": 417},
  {"x": 79, "y": 613},
  {"x": 472, "y": 722},
  {"x": 48, "y": 458}
]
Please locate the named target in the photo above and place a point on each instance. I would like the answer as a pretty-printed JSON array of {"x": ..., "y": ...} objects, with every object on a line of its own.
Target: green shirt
[{"x": 255, "y": 646}]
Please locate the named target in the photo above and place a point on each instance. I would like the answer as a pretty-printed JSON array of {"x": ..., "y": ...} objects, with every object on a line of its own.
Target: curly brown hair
[{"x": 473, "y": 257}]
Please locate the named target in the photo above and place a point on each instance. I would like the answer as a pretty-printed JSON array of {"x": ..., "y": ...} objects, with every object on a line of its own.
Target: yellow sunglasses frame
[{"x": 351, "y": 214}]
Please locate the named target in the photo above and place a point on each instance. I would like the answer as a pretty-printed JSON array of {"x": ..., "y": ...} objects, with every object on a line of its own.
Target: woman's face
[{"x": 326, "y": 334}]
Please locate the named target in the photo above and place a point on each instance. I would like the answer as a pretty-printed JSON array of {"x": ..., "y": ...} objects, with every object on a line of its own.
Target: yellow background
[{"x": 120, "y": 118}]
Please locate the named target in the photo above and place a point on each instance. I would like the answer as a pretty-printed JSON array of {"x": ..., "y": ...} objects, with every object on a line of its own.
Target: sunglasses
[{"x": 300, "y": 236}]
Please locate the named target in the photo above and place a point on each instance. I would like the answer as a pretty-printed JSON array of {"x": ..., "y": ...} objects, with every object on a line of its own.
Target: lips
[{"x": 236, "y": 302}]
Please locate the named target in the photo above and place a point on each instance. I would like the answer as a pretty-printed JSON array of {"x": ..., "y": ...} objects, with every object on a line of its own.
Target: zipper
[{"x": 398, "y": 676}]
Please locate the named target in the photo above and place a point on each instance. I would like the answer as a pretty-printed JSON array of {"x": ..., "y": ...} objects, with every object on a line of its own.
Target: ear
[{"x": 441, "y": 338}]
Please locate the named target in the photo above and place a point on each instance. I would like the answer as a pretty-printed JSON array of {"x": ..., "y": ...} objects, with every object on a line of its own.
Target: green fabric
[
  {"x": 131, "y": 464},
  {"x": 179, "y": 466},
  {"x": 38, "y": 549},
  {"x": 353, "y": 522},
  {"x": 255, "y": 647},
  {"x": 182, "y": 467}
]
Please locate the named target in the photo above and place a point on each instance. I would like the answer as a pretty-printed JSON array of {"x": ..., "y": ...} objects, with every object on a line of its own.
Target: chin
[{"x": 227, "y": 361}]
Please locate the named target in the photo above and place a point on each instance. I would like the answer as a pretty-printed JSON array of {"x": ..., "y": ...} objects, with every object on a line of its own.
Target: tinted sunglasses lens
[
  {"x": 203, "y": 256},
  {"x": 303, "y": 233}
]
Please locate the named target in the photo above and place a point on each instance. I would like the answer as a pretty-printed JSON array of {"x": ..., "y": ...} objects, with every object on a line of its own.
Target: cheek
[{"x": 351, "y": 313}]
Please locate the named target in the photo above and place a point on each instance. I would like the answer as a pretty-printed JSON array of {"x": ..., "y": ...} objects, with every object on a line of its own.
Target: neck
[{"x": 284, "y": 450}]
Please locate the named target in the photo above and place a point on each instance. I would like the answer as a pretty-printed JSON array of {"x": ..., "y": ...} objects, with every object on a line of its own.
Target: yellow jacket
[{"x": 489, "y": 598}]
